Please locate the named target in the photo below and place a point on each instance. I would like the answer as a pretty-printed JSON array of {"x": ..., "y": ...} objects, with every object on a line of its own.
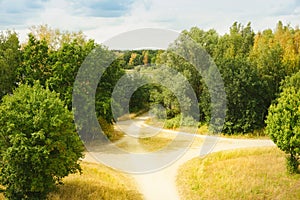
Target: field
[{"x": 258, "y": 173}]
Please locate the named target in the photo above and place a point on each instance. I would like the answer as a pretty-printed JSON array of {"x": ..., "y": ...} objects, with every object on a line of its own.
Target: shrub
[
  {"x": 38, "y": 142},
  {"x": 283, "y": 122}
]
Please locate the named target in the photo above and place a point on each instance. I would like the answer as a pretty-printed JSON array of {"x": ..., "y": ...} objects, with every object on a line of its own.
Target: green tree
[
  {"x": 283, "y": 121},
  {"x": 64, "y": 64},
  {"x": 38, "y": 142},
  {"x": 106, "y": 86},
  {"x": 244, "y": 92},
  {"x": 35, "y": 62},
  {"x": 237, "y": 43},
  {"x": 207, "y": 39},
  {"x": 267, "y": 57},
  {"x": 10, "y": 58}
]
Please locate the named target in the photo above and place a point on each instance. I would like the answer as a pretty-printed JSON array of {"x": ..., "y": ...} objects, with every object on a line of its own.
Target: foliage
[
  {"x": 106, "y": 86},
  {"x": 283, "y": 121},
  {"x": 38, "y": 142},
  {"x": 140, "y": 99},
  {"x": 35, "y": 62},
  {"x": 244, "y": 92},
  {"x": 65, "y": 62},
  {"x": 237, "y": 43},
  {"x": 252, "y": 67},
  {"x": 10, "y": 58},
  {"x": 54, "y": 57},
  {"x": 173, "y": 123},
  {"x": 56, "y": 38},
  {"x": 108, "y": 130}
]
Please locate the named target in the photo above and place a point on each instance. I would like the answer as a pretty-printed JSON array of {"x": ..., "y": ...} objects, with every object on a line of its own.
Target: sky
[{"x": 102, "y": 19}]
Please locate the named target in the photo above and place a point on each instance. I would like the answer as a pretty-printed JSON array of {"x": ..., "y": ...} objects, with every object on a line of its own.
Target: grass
[
  {"x": 152, "y": 144},
  {"x": 258, "y": 173},
  {"x": 157, "y": 142},
  {"x": 96, "y": 182},
  {"x": 149, "y": 144}
]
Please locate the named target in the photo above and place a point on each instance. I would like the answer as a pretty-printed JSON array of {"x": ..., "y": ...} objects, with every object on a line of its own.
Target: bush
[
  {"x": 178, "y": 121},
  {"x": 38, "y": 142},
  {"x": 173, "y": 122},
  {"x": 283, "y": 122}
]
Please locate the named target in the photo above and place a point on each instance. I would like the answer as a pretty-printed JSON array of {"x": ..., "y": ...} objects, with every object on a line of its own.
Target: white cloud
[{"x": 119, "y": 17}]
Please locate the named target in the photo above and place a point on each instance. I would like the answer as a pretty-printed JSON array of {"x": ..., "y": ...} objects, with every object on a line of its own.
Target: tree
[
  {"x": 135, "y": 59},
  {"x": 106, "y": 86},
  {"x": 283, "y": 121},
  {"x": 55, "y": 38},
  {"x": 64, "y": 66},
  {"x": 244, "y": 92},
  {"x": 10, "y": 57},
  {"x": 35, "y": 62},
  {"x": 145, "y": 55},
  {"x": 207, "y": 39},
  {"x": 38, "y": 142},
  {"x": 236, "y": 44}
]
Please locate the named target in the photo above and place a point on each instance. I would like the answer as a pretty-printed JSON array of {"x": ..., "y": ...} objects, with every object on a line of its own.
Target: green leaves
[
  {"x": 9, "y": 61},
  {"x": 283, "y": 121},
  {"x": 245, "y": 93},
  {"x": 39, "y": 145}
]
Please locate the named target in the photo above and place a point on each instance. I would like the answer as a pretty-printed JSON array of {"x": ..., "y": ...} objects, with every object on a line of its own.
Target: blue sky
[{"x": 102, "y": 19}]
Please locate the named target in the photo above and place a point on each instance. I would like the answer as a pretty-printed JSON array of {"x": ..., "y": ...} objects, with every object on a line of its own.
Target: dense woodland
[{"x": 252, "y": 65}]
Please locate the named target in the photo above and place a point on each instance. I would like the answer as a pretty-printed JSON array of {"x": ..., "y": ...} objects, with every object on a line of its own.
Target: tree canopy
[
  {"x": 283, "y": 121},
  {"x": 38, "y": 142}
]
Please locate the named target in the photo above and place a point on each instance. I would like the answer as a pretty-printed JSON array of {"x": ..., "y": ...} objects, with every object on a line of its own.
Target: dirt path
[{"x": 161, "y": 185}]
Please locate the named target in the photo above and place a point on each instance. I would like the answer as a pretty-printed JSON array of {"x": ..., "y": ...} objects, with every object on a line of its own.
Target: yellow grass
[
  {"x": 96, "y": 182},
  {"x": 157, "y": 142},
  {"x": 154, "y": 143},
  {"x": 240, "y": 174}
]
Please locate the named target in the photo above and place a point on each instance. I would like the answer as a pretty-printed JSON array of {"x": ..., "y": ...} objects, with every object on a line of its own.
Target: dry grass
[
  {"x": 149, "y": 144},
  {"x": 240, "y": 174},
  {"x": 96, "y": 182},
  {"x": 155, "y": 122},
  {"x": 157, "y": 142},
  {"x": 154, "y": 143}
]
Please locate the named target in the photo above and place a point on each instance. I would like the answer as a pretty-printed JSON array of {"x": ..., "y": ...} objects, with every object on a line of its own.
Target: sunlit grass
[
  {"x": 157, "y": 142},
  {"x": 240, "y": 174},
  {"x": 154, "y": 143},
  {"x": 96, "y": 182}
]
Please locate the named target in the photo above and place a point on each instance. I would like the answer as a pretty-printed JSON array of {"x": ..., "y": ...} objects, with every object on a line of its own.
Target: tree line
[{"x": 252, "y": 66}]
